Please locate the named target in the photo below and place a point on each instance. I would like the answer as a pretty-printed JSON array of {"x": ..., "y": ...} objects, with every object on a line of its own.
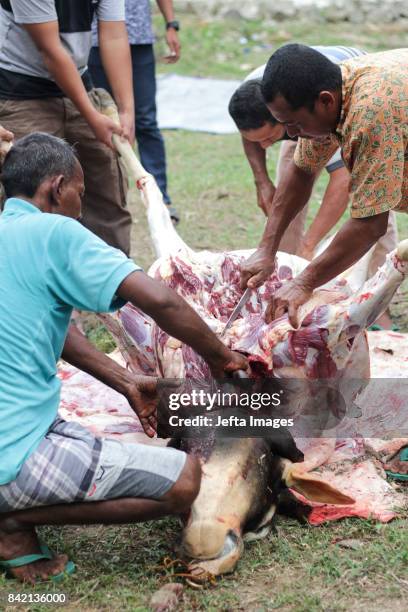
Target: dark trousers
[{"x": 149, "y": 140}]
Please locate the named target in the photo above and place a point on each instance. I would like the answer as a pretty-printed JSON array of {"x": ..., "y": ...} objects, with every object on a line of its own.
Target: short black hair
[
  {"x": 34, "y": 158},
  {"x": 299, "y": 73},
  {"x": 247, "y": 106}
]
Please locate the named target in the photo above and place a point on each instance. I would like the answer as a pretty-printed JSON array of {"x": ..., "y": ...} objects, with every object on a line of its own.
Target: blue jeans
[{"x": 149, "y": 140}]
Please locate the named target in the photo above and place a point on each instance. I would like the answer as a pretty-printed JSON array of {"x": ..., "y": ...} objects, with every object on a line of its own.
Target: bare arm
[
  {"x": 5, "y": 134},
  {"x": 354, "y": 239},
  {"x": 333, "y": 205},
  {"x": 175, "y": 317},
  {"x": 256, "y": 156},
  {"x": 292, "y": 194},
  {"x": 265, "y": 189},
  {"x": 167, "y": 10},
  {"x": 63, "y": 70},
  {"x": 138, "y": 390},
  {"x": 115, "y": 51},
  {"x": 178, "y": 319}
]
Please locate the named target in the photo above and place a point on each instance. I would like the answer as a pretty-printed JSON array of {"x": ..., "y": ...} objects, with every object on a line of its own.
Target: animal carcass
[{"x": 242, "y": 478}]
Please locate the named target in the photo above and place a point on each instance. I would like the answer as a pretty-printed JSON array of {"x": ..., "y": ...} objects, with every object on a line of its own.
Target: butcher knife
[{"x": 242, "y": 301}]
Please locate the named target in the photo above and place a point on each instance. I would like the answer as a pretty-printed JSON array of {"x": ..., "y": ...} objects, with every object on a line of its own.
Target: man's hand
[
  {"x": 233, "y": 361},
  {"x": 174, "y": 46},
  {"x": 104, "y": 127},
  {"x": 140, "y": 391},
  {"x": 142, "y": 397},
  {"x": 265, "y": 192},
  {"x": 127, "y": 122},
  {"x": 6, "y": 138},
  {"x": 256, "y": 269},
  {"x": 5, "y": 134},
  {"x": 288, "y": 298}
]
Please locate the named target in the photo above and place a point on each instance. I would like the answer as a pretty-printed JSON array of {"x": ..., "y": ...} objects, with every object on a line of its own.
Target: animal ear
[
  {"x": 315, "y": 488},
  {"x": 282, "y": 444}
]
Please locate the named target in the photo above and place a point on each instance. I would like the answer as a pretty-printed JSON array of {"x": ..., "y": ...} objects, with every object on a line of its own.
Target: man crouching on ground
[{"x": 54, "y": 472}]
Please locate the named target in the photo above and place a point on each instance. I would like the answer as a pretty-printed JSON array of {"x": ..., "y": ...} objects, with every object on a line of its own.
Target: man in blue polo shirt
[{"x": 50, "y": 264}]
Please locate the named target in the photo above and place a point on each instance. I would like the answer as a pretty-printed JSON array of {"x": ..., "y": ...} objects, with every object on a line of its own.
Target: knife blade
[{"x": 242, "y": 301}]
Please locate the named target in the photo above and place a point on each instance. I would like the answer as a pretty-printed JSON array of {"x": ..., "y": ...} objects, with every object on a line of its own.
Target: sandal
[
  {"x": 45, "y": 554},
  {"x": 376, "y": 327}
]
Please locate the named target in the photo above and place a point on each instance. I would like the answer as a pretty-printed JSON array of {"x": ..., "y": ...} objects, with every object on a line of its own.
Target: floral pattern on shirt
[
  {"x": 372, "y": 132},
  {"x": 138, "y": 23}
]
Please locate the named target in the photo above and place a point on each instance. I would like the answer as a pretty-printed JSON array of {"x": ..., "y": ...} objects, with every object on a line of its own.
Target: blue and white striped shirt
[{"x": 335, "y": 54}]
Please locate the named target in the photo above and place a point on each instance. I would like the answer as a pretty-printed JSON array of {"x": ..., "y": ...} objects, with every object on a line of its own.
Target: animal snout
[{"x": 207, "y": 540}]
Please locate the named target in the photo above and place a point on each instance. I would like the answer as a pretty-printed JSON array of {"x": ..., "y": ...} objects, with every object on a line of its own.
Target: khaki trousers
[
  {"x": 293, "y": 236},
  {"x": 104, "y": 204}
]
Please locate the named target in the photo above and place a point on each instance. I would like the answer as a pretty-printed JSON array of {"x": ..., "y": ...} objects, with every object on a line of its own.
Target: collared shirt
[
  {"x": 335, "y": 54},
  {"x": 372, "y": 132},
  {"x": 138, "y": 23},
  {"x": 48, "y": 265}
]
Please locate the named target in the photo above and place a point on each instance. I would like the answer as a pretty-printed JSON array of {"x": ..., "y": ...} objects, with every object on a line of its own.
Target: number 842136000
[{"x": 51, "y": 598}]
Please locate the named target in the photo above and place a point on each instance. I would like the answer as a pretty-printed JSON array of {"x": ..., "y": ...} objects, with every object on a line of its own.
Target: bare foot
[
  {"x": 17, "y": 540},
  {"x": 397, "y": 467}
]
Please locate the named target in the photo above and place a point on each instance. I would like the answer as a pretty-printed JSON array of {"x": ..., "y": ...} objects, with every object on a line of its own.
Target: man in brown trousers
[{"x": 45, "y": 86}]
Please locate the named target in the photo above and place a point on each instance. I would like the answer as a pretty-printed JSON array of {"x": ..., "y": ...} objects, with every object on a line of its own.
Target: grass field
[{"x": 297, "y": 567}]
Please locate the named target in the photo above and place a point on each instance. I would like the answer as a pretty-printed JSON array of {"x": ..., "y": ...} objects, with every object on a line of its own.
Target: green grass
[
  {"x": 231, "y": 48},
  {"x": 98, "y": 335},
  {"x": 296, "y": 568}
]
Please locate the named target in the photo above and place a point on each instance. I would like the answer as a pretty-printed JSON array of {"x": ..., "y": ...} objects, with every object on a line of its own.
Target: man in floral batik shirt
[{"x": 361, "y": 105}]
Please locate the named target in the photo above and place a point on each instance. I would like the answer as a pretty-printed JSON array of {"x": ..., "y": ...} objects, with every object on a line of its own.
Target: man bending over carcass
[
  {"x": 54, "y": 472},
  {"x": 359, "y": 105},
  {"x": 260, "y": 130}
]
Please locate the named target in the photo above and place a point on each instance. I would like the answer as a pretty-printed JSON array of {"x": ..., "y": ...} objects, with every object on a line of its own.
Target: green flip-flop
[
  {"x": 376, "y": 327},
  {"x": 402, "y": 455},
  {"x": 46, "y": 553}
]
